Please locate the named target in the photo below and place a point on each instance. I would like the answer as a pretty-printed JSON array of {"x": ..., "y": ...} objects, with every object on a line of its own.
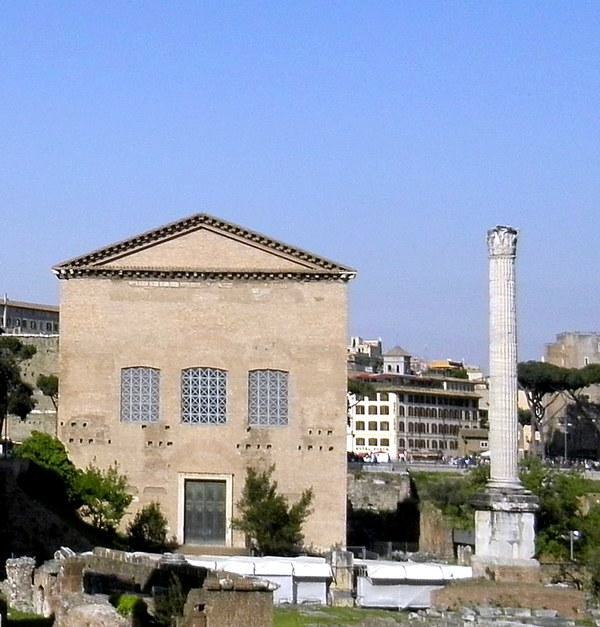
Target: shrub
[
  {"x": 103, "y": 495},
  {"x": 168, "y": 605},
  {"x": 51, "y": 476},
  {"x": 49, "y": 453},
  {"x": 265, "y": 517},
  {"x": 130, "y": 605},
  {"x": 148, "y": 530}
]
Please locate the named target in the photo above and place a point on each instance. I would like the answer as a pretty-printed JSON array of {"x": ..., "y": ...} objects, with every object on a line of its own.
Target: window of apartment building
[
  {"x": 384, "y": 410},
  {"x": 384, "y": 442},
  {"x": 434, "y": 428},
  {"x": 33, "y": 324},
  {"x": 384, "y": 426},
  {"x": 372, "y": 410},
  {"x": 401, "y": 410},
  {"x": 384, "y": 396},
  {"x": 411, "y": 443},
  {"x": 360, "y": 441},
  {"x": 359, "y": 425},
  {"x": 203, "y": 396},
  {"x": 360, "y": 409},
  {"x": 401, "y": 442},
  {"x": 401, "y": 426},
  {"x": 23, "y": 323},
  {"x": 372, "y": 426},
  {"x": 48, "y": 326},
  {"x": 433, "y": 444},
  {"x": 372, "y": 441},
  {"x": 268, "y": 397},
  {"x": 140, "y": 394}
]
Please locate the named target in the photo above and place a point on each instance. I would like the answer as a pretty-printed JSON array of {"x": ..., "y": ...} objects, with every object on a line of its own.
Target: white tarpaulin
[
  {"x": 299, "y": 579},
  {"x": 403, "y": 584}
]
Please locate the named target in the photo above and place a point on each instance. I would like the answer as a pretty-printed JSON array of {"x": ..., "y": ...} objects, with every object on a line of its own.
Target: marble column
[
  {"x": 503, "y": 434},
  {"x": 505, "y": 511}
]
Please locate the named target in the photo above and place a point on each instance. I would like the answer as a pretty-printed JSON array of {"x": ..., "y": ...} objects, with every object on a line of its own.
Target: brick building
[{"x": 200, "y": 365}]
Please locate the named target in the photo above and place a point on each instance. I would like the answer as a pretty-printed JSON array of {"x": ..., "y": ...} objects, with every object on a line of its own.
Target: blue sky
[{"x": 386, "y": 135}]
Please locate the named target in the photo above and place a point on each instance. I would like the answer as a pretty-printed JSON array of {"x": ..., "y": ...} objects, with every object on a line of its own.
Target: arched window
[
  {"x": 434, "y": 428},
  {"x": 203, "y": 396},
  {"x": 267, "y": 398},
  {"x": 401, "y": 410},
  {"x": 401, "y": 426},
  {"x": 140, "y": 394}
]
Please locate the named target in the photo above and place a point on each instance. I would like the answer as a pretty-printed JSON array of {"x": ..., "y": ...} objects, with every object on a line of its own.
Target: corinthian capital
[{"x": 502, "y": 241}]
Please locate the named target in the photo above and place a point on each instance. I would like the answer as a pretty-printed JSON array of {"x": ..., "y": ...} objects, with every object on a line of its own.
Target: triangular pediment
[{"x": 201, "y": 245}]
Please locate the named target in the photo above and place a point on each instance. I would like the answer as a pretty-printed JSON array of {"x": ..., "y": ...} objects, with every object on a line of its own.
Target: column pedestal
[{"x": 505, "y": 535}]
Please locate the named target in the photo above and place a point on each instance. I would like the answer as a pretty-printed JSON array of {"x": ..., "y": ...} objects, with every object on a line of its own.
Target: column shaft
[{"x": 503, "y": 424}]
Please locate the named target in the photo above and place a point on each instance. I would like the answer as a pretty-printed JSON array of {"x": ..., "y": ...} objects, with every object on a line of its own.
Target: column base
[
  {"x": 505, "y": 534},
  {"x": 505, "y": 569}
]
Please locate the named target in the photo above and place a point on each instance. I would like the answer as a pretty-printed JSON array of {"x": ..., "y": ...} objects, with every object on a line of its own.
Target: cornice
[{"x": 170, "y": 274}]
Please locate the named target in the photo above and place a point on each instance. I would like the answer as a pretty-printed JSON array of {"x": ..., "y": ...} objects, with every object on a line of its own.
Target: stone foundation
[{"x": 505, "y": 536}]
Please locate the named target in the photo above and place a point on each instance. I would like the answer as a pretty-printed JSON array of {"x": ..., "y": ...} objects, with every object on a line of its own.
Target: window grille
[
  {"x": 140, "y": 394},
  {"x": 267, "y": 397},
  {"x": 203, "y": 396}
]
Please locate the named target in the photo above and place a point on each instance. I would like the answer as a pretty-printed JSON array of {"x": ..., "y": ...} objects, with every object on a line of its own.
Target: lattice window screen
[
  {"x": 140, "y": 394},
  {"x": 267, "y": 397},
  {"x": 204, "y": 396}
]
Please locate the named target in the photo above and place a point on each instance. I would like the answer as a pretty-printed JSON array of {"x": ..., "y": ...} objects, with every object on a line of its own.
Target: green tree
[
  {"x": 48, "y": 385},
  {"x": 103, "y": 495},
  {"x": 452, "y": 494},
  {"x": 148, "y": 529},
  {"x": 16, "y": 396},
  {"x": 272, "y": 526},
  {"x": 559, "y": 495},
  {"x": 361, "y": 389},
  {"x": 542, "y": 383}
]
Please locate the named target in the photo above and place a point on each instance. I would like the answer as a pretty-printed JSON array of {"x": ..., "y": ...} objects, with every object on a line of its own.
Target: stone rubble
[{"x": 493, "y": 617}]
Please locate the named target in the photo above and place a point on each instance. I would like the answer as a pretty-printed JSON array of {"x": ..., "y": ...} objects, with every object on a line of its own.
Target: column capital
[{"x": 502, "y": 241}]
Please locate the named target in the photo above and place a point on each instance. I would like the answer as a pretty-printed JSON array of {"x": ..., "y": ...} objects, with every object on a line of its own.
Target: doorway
[{"x": 204, "y": 512}]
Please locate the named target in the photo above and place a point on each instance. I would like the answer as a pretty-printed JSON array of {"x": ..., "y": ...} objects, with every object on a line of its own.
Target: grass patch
[
  {"x": 25, "y": 619},
  {"x": 312, "y": 616}
]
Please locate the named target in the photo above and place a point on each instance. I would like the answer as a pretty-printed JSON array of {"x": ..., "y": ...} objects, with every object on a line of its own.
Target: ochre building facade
[{"x": 194, "y": 351}]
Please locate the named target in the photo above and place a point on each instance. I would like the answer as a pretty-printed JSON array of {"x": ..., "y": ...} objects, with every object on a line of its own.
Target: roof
[
  {"x": 474, "y": 433},
  {"x": 307, "y": 264},
  {"x": 397, "y": 351},
  {"x": 24, "y": 305}
]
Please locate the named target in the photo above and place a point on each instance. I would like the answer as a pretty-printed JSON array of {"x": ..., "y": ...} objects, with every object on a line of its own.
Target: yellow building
[{"x": 198, "y": 349}]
